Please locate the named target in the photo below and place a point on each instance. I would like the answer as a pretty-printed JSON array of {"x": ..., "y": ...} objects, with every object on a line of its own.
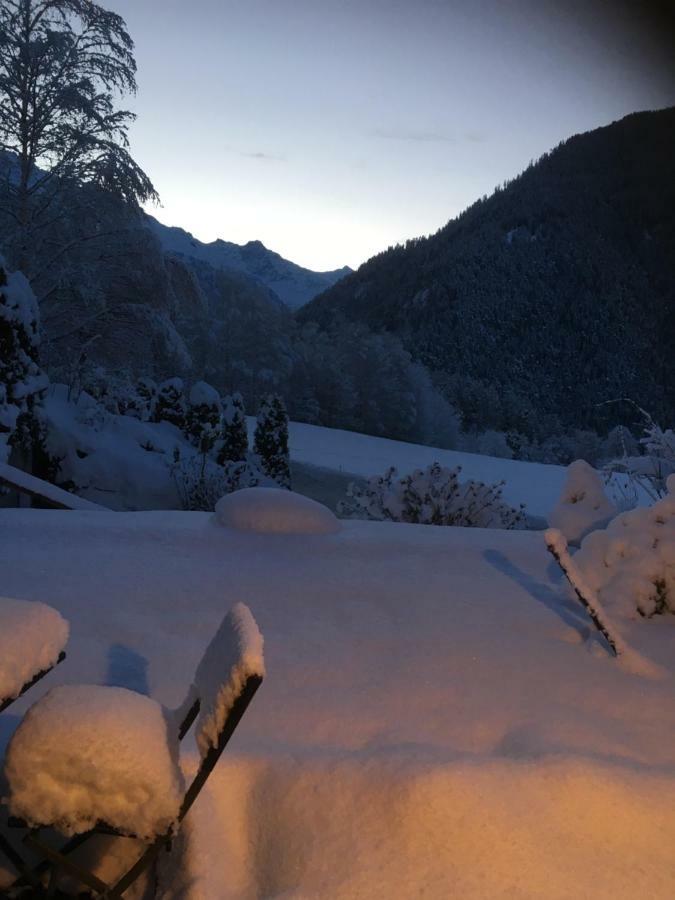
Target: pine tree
[
  {"x": 271, "y": 440},
  {"x": 170, "y": 403},
  {"x": 234, "y": 433},
  {"x": 21, "y": 379},
  {"x": 203, "y": 416}
]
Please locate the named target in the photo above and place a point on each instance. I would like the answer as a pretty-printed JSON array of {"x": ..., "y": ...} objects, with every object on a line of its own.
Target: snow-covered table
[{"x": 32, "y": 639}]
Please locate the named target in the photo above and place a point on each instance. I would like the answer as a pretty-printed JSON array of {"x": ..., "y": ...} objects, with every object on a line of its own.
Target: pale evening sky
[{"x": 330, "y": 129}]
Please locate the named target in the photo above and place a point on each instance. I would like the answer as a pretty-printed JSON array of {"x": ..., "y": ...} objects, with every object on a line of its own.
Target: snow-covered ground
[
  {"x": 437, "y": 720},
  {"x": 536, "y": 485}
]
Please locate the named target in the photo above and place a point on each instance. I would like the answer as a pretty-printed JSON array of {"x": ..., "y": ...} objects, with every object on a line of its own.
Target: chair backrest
[{"x": 234, "y": 655}]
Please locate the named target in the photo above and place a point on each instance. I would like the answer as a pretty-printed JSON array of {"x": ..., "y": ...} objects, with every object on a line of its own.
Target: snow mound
[
  {"x": 631, "y": 563},
  {"x": 85, "y": 753},
  {"x": 234, "y": 654},
  {"x": 583, "y": 505},
  {"x": 202, "y": 393},
  {"x": 31, "y": 637},
  {"x": 275, "y": 511}
]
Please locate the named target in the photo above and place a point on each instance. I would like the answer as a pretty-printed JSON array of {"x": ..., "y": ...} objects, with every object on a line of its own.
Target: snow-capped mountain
[{"x": 293, "y": 284}]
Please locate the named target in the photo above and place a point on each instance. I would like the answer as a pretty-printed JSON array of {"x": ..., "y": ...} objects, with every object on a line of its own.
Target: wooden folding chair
[
  {"x": 17, "y": 618},
  {"x": 229, "y": 674}
]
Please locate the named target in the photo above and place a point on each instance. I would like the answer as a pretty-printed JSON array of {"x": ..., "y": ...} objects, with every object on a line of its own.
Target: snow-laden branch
[{"x": 557, "y": 546}]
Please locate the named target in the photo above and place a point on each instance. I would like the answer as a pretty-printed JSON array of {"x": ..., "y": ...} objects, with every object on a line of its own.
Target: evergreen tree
[
  {"x": 21, "y": 379},
  {"x": 271, "y": 440},
  {"x": 233, "y": 434},
  {"x": 203, "y": 416},
  {"x": 170, "y": 403}
]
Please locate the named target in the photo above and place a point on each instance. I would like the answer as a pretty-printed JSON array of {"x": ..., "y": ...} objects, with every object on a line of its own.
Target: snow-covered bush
[
  {"x": 650, "y": 471},
  {"x": 146, "y": 391},
  {"x": 21, "y": 379},
  {"x": 583, "y": 505},
  {"x": 431, "y": 496},
  {"x": 631, "y": 563},
  {"x": 233, "y": 445},
  {"x": 201, "y": 482},
  {"x": 203, "y": 416},
  {"x": 271, "y": 440},
  {"x": 170, "y": 403}
]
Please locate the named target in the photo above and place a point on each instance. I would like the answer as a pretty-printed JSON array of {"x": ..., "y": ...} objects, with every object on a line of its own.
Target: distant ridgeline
[{"x": 553, "y": 295}]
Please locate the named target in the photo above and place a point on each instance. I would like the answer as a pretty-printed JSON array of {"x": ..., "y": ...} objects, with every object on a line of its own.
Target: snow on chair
[
  {"x": 104, "y": 760},
  {"x": 32, "y": 641}
]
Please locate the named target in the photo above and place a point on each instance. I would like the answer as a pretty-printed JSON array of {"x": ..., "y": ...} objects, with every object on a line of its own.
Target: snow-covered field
[
  {"x": 438, "y": 718},
  {"x": 536, "y": 485}
]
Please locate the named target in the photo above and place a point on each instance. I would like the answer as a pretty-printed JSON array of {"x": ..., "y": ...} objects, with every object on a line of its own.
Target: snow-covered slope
[
  {"x": 437, "y": 719},
  {"x": 536, "y": 485},
  {"x": 293, "y": 284}
]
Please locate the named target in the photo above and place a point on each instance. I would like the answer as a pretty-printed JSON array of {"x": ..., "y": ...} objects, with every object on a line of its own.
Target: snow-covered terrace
[{"x": 437, "y": 719}]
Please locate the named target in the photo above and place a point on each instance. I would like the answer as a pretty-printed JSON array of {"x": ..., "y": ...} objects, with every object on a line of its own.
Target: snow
[
  {"x": 536, "y": 485},
  {"x": 234, "y": 654},
  {"x": 86, "y": 753},
  {"x": 631, "y": 563},
  {"x": 202, "y": 393},
  {"x": 32, "y": 635},
  {"x": 583, "y": 505},
  {"x": 27, "y": 483},
  {"x": 270, "y": 510},
  {"x": 292, "y": 284},
  {"x": 439, "y": 718},
  {"x": 118, "y": 461}
]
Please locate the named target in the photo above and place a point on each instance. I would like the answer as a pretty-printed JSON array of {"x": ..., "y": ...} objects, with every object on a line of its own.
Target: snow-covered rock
[
  {"x": 32, "y": 635},
  {"x": 631, "y": 563},
  {"x": 84, "y": 754},
  {"x": 583, "y": 505},
  {"x": 234, "y": 654},
  {"x": 275, "y": 511}
]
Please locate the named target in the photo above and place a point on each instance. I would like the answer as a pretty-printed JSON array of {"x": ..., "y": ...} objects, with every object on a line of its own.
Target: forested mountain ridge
[{"x": 551, "y": 296}]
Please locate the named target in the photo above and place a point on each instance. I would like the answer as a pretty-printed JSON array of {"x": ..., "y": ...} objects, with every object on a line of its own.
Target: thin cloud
[{"x": 258, "y": 154}]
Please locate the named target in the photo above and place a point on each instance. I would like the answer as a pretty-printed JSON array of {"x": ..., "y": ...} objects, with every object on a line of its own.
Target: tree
[
  {"x": 21, "y": 379},
  {"x": 270, "y": 442},
  {"x": 203, "y": 416},
  {"x": 62, "y": 65},
  {"x": 234, "y": 434},
  {"x": 170, "y": 403}
]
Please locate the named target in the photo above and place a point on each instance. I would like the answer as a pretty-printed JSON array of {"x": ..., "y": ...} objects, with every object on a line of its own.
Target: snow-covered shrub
[
  {"x": 651, "y": 470},
  {"x": 631, "y": 563},
  {"x": 233, "y": 444},
  {"x": 201, "y": 482},
  {"x": 271, "y": 440},
  {"x": 431, "y": 496},
  {"x": 170, "y": 403},
  {"x": 146, "y": 391},
  {"x": 203, "y": 416},
  {"x": 583, "y": 505},
  {"x": 21, "y": 379}
]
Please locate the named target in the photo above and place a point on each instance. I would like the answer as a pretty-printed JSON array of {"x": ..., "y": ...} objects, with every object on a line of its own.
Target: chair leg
[
  {"x": 32, "y": 875},
  {"x": 19, "y": 863},
  {"x": 58, "y": 859}
]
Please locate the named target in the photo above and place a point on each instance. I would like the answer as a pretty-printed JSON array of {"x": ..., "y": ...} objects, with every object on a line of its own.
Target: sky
[{"x": 332, "y": 129}]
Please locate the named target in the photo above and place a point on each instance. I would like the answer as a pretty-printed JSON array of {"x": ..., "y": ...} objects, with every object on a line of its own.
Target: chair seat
[
  {"x": 32, "y": 635},
  {"x": 86, "y": 755}
]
